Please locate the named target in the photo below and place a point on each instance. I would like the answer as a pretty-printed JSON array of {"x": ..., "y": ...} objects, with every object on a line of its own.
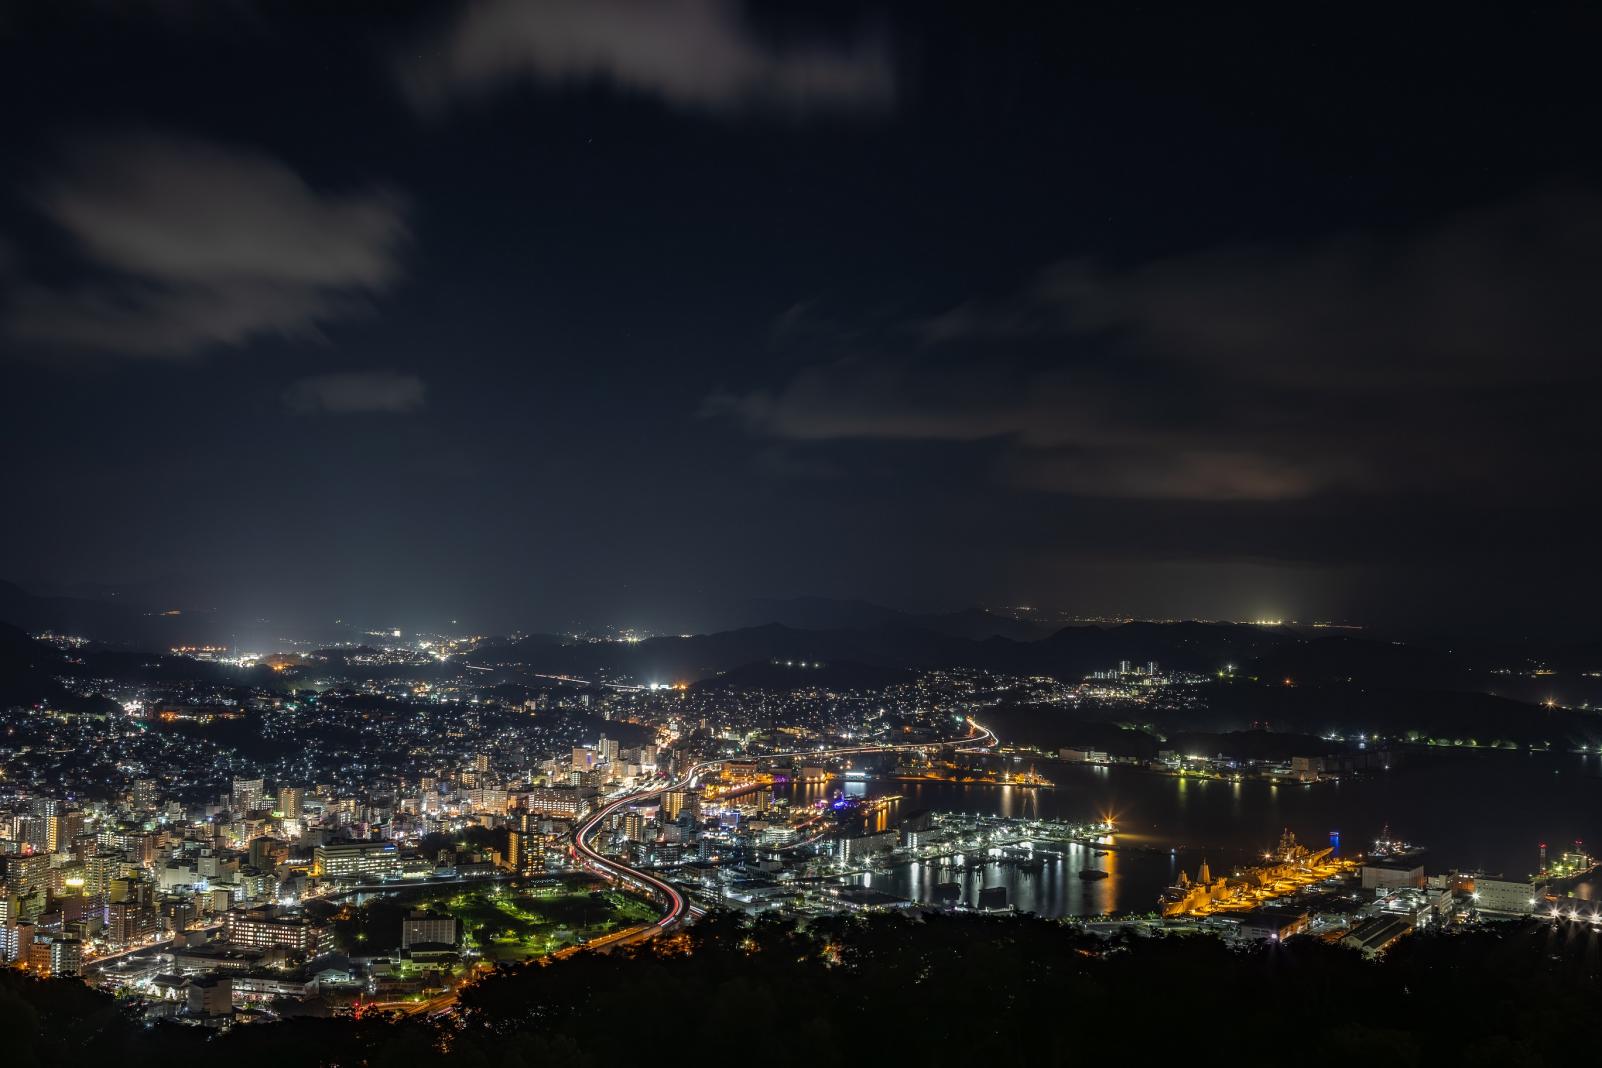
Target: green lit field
[
  {"x": 504, "y": 923},
  {"x": 499, "y": 921}
]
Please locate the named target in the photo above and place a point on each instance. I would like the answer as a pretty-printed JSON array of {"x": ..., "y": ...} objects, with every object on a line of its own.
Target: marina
[
  {"x": 1044, "y": 847},
  {"x": 1233, "y": 824}
]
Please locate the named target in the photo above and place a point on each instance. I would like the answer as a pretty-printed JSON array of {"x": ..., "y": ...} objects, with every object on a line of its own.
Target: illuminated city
[{"x": 596, "y": 531}]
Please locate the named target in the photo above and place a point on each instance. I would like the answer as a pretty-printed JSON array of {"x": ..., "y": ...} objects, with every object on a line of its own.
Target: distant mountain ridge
[
  {"x": 826, "y": 613},
  {"x": 1070, "y": 653},
  {"x": 1305, "y": 682},
  {"x": 33, "y": 612},
  {"x": 778, "y": 675},
  {"x": 102, "y": 619},
  {"x": 875, "y": 638}
]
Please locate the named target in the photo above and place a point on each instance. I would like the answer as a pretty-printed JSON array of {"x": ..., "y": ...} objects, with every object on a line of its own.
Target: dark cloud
[
  {"x": 356, "y": 391},
  {"x": 1361, "y": 365},
  {"x": 1505, "y": 293},
  {"x": 860, "y": 397},
  {"x": 1178, "y": 474},
  {"x": 1065, "y": 432},
  {"x": 198, "y": 244},
  {"x": 1079, "y": 313},
  {"x": 694, "y": 54}
]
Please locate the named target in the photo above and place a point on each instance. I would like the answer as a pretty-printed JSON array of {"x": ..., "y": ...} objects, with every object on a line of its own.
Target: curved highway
[{"x": 676, "y": 907}]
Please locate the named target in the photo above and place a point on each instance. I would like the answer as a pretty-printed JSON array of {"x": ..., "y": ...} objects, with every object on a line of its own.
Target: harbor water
[{"x": 1473, "y": 811}]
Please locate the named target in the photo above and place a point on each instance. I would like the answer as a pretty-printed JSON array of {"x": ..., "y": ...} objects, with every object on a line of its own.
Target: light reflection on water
[
  {"x": 1483, "y": 812},
  {"x": 1055, "y": 890}
]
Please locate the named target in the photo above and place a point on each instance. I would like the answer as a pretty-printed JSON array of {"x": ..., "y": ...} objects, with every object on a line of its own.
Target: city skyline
[{"x": 620, "y": 531}]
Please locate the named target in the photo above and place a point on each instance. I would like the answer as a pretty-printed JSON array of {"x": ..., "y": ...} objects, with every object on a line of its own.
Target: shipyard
[{"x": 1288, "y": 869}]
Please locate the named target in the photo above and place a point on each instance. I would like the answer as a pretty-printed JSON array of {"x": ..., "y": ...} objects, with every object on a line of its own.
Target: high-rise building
[
  {"x": 633, "y": 825},
  {"x": 66, "y": 956},
  {"x": 16, "y": 939},
  {"x": 515, "y": 849},
  {"x": 61, "y": 829},
  {"x": 248, "y": 794},
  {"x": 99, "y": 869},
  {"x": 129, "y": 922},
  {"x": 24, "y": 871},
  {"x": 32, "y": 831},
  {"x": 146, "y": 793},
  {"x": 673, "y": 803},
  {"x": 525, "y": 850},
  {"x": 291, "y": 799}
]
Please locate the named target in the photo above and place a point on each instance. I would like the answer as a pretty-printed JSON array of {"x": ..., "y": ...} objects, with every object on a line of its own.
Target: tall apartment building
[
  {"x": 99, "y": 869},
  {"x": 16, "y": 937},
  {"x": 525, "y": 851},
  {"x": 146, "y": 793},
  {"x": 291, "y": 800},
  {"x": 61, "y": 829},
  {"x": 24, "y": 871},
  {"x": 248, "y": 794},
  {"x": 129, "y": 922}
]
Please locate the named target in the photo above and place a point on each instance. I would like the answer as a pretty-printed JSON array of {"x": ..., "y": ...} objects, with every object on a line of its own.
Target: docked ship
[
  {"x": 1030, "y": 778},
  {"x": 1186, "y": 896},
  {"x": 1386, "y": 845},
  {"x": 1291, "y": 860},
  {"x": 1568, "y": 865}
]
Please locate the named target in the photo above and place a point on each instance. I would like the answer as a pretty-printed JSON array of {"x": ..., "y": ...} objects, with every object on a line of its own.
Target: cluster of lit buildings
[
  {"x": 140, "y": 890},
  {"x": 164, "y": 837},
  {"x": 195, "y": 842}
]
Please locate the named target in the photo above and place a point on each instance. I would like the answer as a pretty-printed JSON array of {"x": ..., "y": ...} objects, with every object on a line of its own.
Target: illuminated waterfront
[{"x": 1169, "y": 824}]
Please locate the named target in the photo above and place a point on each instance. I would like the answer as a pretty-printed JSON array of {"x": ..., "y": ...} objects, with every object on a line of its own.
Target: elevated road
[{"x": 676, "y": 908}]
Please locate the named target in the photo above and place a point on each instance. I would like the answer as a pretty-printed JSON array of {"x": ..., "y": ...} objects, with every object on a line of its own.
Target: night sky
[{"x": 527, "y": 313}]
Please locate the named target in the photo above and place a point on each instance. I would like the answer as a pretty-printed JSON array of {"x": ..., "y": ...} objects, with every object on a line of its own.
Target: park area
[{"x": 500, "y": 920}]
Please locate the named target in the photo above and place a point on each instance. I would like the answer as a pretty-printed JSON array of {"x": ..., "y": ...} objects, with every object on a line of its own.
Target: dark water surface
[{"x": 1474, "y": 811}]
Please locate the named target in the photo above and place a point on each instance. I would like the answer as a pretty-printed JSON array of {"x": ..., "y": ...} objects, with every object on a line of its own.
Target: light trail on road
[{"x": 676, "y": 907}]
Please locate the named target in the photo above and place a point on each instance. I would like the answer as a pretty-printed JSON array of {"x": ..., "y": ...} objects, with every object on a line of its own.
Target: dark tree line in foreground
[{"x": 942, "y": 990}]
